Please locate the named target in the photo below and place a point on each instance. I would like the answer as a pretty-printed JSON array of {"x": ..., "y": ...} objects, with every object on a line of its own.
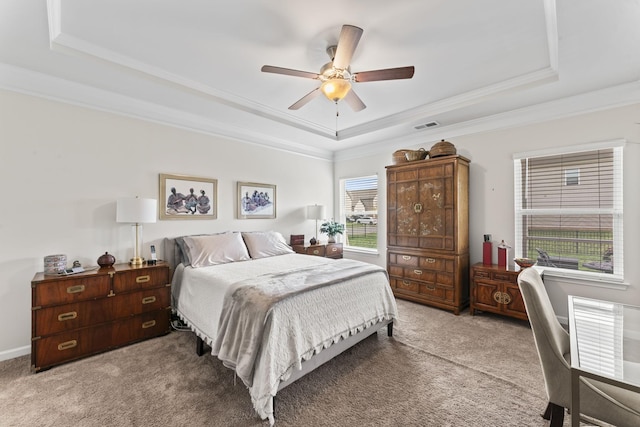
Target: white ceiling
[{"x": 196, "y": 64}]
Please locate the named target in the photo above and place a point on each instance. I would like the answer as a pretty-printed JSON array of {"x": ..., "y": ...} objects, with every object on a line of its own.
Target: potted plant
[{"x": 331, "y": 228}]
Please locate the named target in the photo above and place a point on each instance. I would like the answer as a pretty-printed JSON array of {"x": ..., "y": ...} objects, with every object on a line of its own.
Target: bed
[{"x": 269, "y": 313}]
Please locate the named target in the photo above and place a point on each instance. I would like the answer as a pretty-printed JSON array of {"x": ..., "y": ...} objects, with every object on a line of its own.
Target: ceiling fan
[{"x": 336, "y": 75}]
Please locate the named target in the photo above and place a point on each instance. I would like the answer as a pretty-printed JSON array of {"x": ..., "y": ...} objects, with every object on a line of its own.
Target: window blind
[{"x": 568, "y": 208}]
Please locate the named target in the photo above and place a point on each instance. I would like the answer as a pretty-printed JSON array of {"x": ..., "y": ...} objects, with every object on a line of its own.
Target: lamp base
[{"x": 136, "y": 261}]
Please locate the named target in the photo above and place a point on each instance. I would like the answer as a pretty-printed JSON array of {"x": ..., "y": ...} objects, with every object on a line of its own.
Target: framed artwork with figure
[
  {"x": 256, "y": 200},
  {"x": 188, "y": 197}
]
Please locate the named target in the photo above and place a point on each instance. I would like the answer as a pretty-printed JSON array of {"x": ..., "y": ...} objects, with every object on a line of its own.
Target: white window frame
[
  {"x": 585, "y": 277},
  {"x": 343, "y": 219}
]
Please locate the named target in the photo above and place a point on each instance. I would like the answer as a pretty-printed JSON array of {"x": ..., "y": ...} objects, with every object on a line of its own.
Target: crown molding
[
  {"x": 589, "y": 102},
  {"x": 45, "y": 86}
]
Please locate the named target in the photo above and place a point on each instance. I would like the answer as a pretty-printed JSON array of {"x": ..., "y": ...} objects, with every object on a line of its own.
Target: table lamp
[
  {"x": 315, "y": 212},
  {"x": 136, "y": 211}
]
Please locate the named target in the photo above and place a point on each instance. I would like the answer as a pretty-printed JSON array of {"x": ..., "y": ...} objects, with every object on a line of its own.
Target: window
[
  {"x": 568, "y": 208},
  {"x": 571, "y": 176},
  {"x": 359, "y": 211}
]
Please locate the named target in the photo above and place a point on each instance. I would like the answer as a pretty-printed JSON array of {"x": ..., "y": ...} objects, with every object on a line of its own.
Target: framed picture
[
  {"x": 188, "y": 197},
  {"x": 256, "y": 200}
]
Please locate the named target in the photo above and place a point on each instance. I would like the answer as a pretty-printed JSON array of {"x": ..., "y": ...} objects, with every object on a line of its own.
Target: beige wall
[
  {"x": 492, "y": 192},
  {"x": 63, "y": 167}
]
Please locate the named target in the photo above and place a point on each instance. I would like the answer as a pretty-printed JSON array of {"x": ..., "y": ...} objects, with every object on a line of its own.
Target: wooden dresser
[
  {"x": 330, "y": 250},
  {"x": 87, "y": 313},
  {"x": 495, "y": 289},
  {"x": 428, "y": 231}
]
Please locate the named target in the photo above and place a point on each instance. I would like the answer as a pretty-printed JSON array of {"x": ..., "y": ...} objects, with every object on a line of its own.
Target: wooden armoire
[{"x": 428, "y": 231}]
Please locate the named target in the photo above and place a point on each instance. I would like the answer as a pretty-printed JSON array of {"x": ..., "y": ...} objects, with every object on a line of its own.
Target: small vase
[
  {"x": 332, "y": 239},
  {"x": 106, "y": 260}
]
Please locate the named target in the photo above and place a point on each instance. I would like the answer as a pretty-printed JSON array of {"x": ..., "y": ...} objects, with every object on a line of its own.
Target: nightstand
[
  {"x": 495, "y": 289},
  {"x": 87, "y": 313},
  {"x": 330, "y": 250}
]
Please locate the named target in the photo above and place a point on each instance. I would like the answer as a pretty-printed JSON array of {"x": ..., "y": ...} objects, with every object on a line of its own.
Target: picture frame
[
  {"x": 187, "y": 197},
  {"x": 256, "y": 201}
]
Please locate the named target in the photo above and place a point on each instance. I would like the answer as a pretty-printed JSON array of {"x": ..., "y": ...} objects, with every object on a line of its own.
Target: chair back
[{"x": 552, "y": 341}]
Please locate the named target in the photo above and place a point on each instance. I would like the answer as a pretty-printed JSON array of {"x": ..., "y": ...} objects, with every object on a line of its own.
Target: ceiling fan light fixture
[{"x": 335, "y": 89}]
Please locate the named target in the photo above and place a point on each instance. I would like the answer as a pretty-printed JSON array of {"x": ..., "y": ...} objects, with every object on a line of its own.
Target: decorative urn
[{"x": 106, "y": 260}]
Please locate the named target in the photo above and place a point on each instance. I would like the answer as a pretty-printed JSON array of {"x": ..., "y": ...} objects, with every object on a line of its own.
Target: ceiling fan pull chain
[{"x": 337, "y": 114}]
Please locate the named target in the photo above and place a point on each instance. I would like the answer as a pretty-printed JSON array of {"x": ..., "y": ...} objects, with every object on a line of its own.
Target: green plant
[{"x": 331, "y": 228}]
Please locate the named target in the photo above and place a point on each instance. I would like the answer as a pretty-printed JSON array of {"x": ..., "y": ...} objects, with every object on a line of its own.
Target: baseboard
[{"x": 15, "y": 352}]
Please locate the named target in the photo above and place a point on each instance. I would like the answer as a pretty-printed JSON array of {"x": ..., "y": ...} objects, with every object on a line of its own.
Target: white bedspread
[{"x": 297, "y": 328}]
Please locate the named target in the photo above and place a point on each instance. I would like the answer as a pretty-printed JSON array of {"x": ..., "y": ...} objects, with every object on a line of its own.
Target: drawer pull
[
  {"x": 316, "y": 252},
  {"x": 149, "y": 324},
  {"x": 75, "y": 289},
  {"x": 417, "y": 271},
  {"x": 417, "y": 208},
  {"x": 430, "y": 287},
  {"x": 143, "y": 279},
  {"x": 502, "y": 297},
  {"x": 334, "y": 249},
  {"x": 149, "y": 300},
  {"x": 67, "y": 345},
  {"x": 406, "y": 283},
  {"x": 430, "y": 260},
  {"x": 406, "y": 257},
  {"x": 67, "y": 316}
]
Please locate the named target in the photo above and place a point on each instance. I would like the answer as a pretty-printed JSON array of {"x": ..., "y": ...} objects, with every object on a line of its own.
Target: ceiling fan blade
[
  {"x": 386, "y": 74},
  {"x": 354, "y": 101},
  {"x": 305, "y": 99},
  {"x": 288, "y": 72},
  {"x": 349, "y": 38}
]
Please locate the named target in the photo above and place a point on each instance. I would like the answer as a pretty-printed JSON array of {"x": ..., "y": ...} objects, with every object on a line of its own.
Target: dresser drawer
[
  {"x": 317, "y": 250},
  {"x": 422, "y": 291},
  {"x": 66, "y": 317},
  {"x": 72, "y": 345},
  {"x": 333, "y": 250},
  {"x": 140, "y": 279},
  {"x": 67, "y": 290}
]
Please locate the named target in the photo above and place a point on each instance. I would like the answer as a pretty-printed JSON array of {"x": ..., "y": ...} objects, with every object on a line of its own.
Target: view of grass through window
[{"x": 359, "y": 211}]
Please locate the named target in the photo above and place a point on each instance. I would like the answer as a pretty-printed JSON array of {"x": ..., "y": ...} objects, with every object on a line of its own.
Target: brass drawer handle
[
  {"x": 67, "y": 345},
  {"x": 417, "y": 271},
  {"x": 502, "y": 298},
  {"x": 143, "y": 279},
  {"x": 148, "y": 300},
  {"x": 316, "y": 252},
  {"x": 431, "y": 288},
  {"x": 75, "y": 289},
  {"x": 406, "y": 257},
  {"x": 430, "y": 260},
  {"x": 406, "y": 283},
  {"x": 334, "y": 249},
  {"x": 67, "y": 316},
  {"x": 417, "y": 208},
  {"x": 149, "y": 324}
]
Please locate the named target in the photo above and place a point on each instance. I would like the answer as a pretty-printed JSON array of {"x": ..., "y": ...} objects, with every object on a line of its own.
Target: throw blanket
[{"x": 248, "y": 303}]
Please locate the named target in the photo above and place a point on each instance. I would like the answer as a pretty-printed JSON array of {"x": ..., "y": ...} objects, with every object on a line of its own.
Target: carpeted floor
[{"x": 438, "y": 370}]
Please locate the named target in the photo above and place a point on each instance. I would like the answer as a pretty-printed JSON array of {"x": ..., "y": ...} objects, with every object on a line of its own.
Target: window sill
[
  {"x": 598, "y": 280},
  {"x": 362, "y": 251}
]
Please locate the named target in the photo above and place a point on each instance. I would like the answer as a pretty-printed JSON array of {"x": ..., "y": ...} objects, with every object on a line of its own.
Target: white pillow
[
  {"x": 263, "y": 244},
  {"x": 216, "y": 249}
]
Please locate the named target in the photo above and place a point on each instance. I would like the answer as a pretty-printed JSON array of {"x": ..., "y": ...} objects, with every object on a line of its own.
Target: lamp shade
[
  {"x": 335, "y": 89},
  {"x": 136, "y": 210},
  {"x": 316, "y": 212}
]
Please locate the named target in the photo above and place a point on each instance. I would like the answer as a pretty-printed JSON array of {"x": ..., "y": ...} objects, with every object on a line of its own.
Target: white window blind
[
  {"x": 568, "y": 208},
  {"x": 599, "y": 326},
  {"x": 359, "y": 211}
]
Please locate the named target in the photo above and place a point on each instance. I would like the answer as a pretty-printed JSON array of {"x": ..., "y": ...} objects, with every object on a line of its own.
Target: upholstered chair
[{"x": 598, "y": 400}]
